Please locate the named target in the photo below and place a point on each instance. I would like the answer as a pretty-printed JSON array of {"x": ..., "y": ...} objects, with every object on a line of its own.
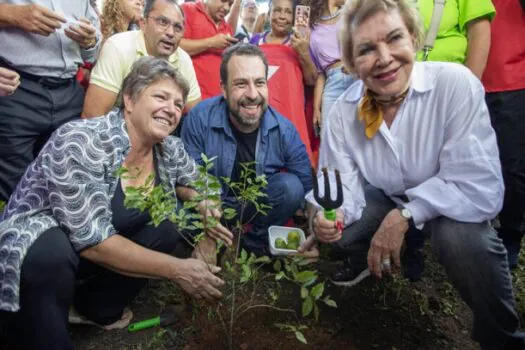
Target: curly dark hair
[{"x": 316, "y": 10}]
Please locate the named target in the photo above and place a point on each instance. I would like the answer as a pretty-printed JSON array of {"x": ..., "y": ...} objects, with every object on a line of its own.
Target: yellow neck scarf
[{"x": 370, "y": 112}]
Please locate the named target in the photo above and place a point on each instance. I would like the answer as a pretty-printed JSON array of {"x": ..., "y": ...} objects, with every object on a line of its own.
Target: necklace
[
  {"x": 330, "y": 16},
  {"x": 266, "y": 34},
  {"x": 394, "y": 100}
]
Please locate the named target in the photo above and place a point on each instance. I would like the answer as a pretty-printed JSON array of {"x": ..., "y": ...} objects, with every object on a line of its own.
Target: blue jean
[
  {"x": 285, "y": 194},
  {"x": 473, "y": 257},
  {"x": 336, "y": 83}
]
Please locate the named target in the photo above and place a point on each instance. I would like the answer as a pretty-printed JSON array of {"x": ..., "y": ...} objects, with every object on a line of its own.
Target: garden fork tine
[{"x": 326, "y": 201}]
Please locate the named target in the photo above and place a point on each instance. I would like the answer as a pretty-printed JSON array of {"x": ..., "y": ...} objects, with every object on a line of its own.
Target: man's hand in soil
[
  {"x": 386, "y": 243},
  {"x": 209, "y": 209},
  {"x": 37, "y": 19},
  {"x": 197, "y": 279},
  {"x": 328, "y": 231},
  {"x": 206, "y": 250}
]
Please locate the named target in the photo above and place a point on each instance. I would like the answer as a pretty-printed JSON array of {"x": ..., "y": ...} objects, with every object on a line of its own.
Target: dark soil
[{"x": 389, "y": 314}]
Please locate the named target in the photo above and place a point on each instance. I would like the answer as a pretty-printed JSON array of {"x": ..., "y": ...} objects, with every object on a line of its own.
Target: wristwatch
[{"x": 407, "y": 214}]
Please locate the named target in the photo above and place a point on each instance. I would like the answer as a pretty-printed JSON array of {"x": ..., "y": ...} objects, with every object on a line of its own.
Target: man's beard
[{"x": 248, "y": 122}]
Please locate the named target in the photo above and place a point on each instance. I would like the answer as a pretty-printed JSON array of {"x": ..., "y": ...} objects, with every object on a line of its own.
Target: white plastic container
[{"x": 275, "y": 232}]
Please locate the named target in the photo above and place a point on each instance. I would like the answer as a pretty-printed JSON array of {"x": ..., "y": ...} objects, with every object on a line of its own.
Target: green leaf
[
  {"x": 229, "y": 213},
  {"x": 304, "y": 293},
  {"x": 244, "y": 255},
  {"x": 330, "y": 302},
  {"x": 246, "y": 273},
  {"x": 295, "y": 270},
  {"x": 316, "y": 312},
  {"x": 306, "y": 277},
  {"x": 263, "y": 259},
  {"x": 198, "y": 224},
  {"x": 277, "y": 266},
  {"x": 214, "y": 186},
  {"x": 317, "y": 290},
  {"x": 282, "y": 326},
  {"x": 279, "y": 276},
  {"x": 299, "y": 335},
  {"x": 308, "y": 305},
  {"x": 302, "y": 261}
]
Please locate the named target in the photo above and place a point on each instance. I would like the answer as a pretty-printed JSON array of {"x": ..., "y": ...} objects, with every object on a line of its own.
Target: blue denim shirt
[{"x": 207, "y": 130}]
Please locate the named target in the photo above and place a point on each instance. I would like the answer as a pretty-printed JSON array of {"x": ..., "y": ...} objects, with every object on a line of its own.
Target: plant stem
[
  {"x": 265, "y": 306},
  {"x": 232, "y": 314}
]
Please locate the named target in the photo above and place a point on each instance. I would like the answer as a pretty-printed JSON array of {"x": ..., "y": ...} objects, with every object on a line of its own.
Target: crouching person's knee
[
  {"x": 286, "y": 189},
  {"x": 50, "y": 262},
  {"x": 466, "y": 248}
]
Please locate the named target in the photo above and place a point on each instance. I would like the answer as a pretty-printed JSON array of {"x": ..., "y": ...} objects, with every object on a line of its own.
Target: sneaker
[{"x": 349, "y": 275}]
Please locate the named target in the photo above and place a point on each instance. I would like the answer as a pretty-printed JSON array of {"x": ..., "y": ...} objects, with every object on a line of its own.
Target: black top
[
  {"x": 127, "y": 220},
  {"x": 246, "y": 144}
]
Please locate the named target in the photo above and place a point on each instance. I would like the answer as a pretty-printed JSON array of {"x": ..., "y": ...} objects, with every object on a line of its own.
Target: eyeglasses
[{"x": 164, "y": 23}]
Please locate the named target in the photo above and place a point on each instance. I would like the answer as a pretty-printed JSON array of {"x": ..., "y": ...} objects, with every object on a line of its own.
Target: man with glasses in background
[{"x": 161, "y": 31}]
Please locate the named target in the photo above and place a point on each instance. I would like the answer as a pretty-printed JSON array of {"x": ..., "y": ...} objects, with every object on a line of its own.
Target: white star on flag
[{"x": 272, "y": 70}]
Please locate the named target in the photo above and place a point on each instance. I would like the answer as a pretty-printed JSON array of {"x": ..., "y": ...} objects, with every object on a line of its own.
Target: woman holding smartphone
[{"x": 291, "y": 66}]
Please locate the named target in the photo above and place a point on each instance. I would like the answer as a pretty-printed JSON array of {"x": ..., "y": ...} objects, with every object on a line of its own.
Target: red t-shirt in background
[
  {"x": 505, "y": 69},
  {"x": 207, "y": 64}
]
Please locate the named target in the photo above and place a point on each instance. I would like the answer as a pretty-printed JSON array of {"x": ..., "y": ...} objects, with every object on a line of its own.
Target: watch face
[{"x": 406, "y": 214}]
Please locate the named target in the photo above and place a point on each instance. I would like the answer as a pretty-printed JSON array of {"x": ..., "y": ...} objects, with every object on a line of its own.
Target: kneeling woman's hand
[
  {"x": 197, "y": 279},
  {"x": 386, "y": 243},
  {"x": 328, "y": 231}
]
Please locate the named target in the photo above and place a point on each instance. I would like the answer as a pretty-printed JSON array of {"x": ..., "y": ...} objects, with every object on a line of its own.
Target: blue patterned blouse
[{"x": 70, "y": 184}]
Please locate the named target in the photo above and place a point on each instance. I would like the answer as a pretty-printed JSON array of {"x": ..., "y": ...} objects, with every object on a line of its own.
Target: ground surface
[{"x": 391, "y": 314}]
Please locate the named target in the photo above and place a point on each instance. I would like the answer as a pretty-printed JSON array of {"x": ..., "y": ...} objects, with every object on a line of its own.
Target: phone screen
[{"x": 302, "y": 18}]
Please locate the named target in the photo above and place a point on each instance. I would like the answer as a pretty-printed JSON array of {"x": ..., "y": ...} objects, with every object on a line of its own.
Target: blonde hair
[
  {"x": 357, "y": 11},
  {"x": 112, "y": 16}
]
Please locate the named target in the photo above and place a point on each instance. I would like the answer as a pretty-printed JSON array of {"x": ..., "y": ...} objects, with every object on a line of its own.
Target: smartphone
[
  {"x": 317, "y": 130},
  {"x": 302, "y": 19}
]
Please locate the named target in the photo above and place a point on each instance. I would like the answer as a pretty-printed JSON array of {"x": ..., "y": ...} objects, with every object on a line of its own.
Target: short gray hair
[{"x": 147, "y": 71}]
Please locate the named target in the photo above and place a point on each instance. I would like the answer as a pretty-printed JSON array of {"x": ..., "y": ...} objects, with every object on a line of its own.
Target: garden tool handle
[
  {"x": 137, "y": 326},
  {"x": 330, "y": 214}
]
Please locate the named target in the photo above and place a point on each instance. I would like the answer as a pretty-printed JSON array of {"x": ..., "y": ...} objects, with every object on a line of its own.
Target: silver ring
[{"x": 386, "y": 264}]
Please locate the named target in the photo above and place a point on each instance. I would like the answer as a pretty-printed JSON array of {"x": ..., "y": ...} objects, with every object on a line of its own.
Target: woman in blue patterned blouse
[{"x": 66, "y": 238}]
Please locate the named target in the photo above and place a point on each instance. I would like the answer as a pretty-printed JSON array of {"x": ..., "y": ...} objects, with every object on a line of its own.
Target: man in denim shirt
[{"x": 240, "y": 127}]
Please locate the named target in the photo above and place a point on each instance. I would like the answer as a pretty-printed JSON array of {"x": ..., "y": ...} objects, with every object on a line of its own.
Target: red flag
[{"x": 286, "y": 88}]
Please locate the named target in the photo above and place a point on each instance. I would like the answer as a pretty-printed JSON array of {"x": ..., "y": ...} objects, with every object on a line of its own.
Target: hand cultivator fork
[{"x": 329, "y": 205}]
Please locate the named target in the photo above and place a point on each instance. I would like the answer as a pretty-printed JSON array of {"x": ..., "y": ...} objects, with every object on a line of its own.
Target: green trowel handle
[
  {"x": 330, "y": 214},
  {"x": 137, "y": 326}
]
